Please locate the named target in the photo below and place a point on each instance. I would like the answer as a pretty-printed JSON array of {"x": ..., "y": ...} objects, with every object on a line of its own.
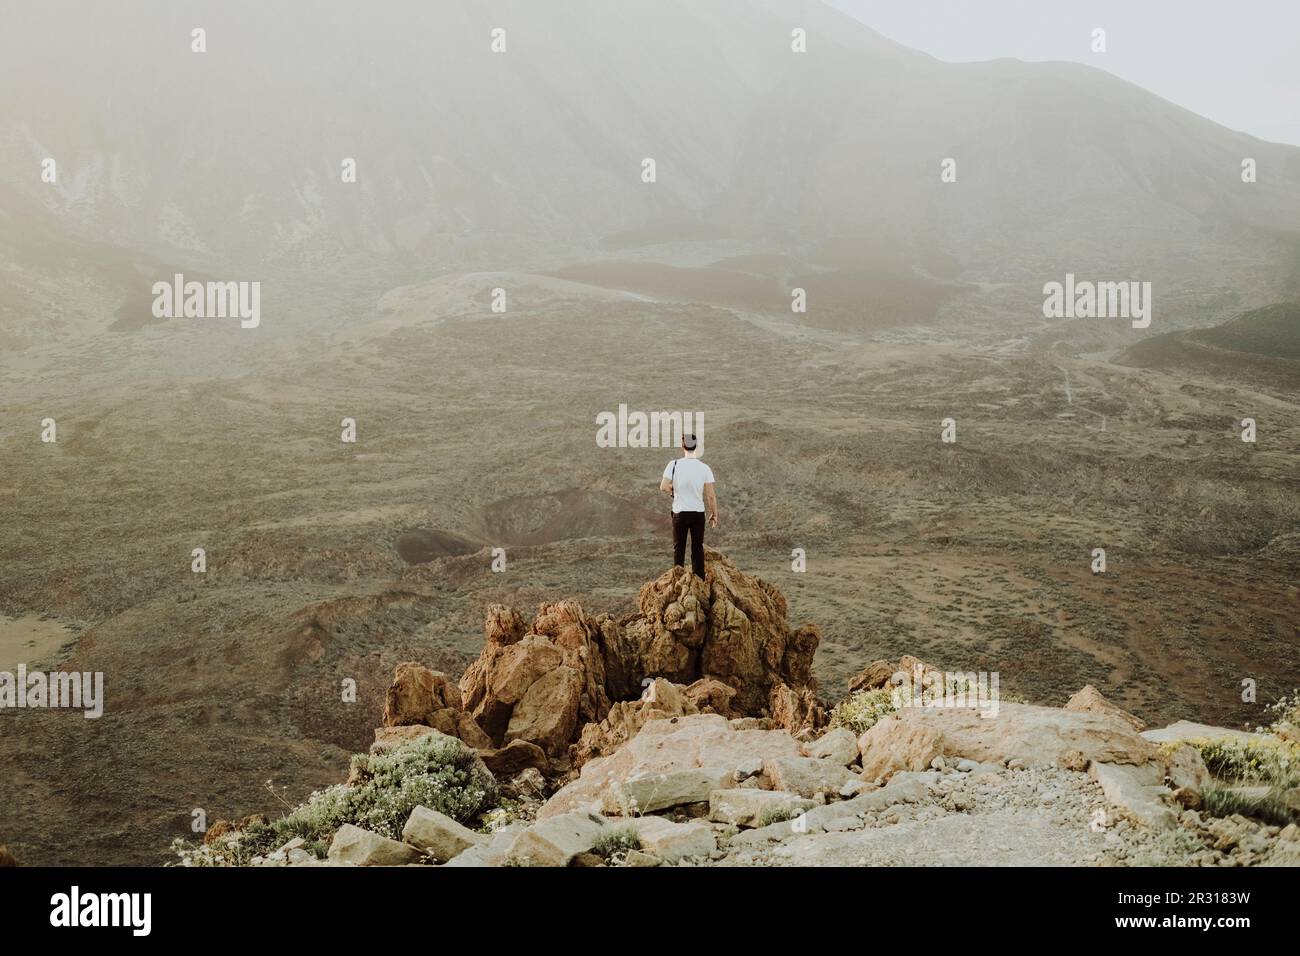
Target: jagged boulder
[
  {"x": 711, "y": 696},
  {"x": 514, "y": 758},
  {"x": 880, "y": 674},
  {"x": 422, "y": 697},
  {"x": 571, "y": 684},
  {"x": 541, "y": 682}
]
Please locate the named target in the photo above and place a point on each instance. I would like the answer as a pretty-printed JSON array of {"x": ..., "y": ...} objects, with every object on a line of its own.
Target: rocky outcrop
[
  {"x": 1030, "y": 734},
  {"x": 572, "y": 686},
  {"x": 731, "y": 628},
  {"x": 694, "y": 725},
  {"x": 541, "y": 682}
]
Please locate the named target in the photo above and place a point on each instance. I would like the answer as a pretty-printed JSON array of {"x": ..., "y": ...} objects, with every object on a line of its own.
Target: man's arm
[
  {"x": 711, "y": 504},
  {"x": 666, "y": 485}
]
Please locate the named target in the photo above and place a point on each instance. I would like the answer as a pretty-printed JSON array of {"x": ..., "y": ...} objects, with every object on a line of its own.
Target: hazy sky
[{"x": 1234, "y": 61}]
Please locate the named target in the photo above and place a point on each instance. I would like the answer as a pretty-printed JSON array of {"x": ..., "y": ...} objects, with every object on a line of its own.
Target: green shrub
[
  {"x": 615, "y": 845},
  {"x": 1221, "y": 802},
  {"x": 1272, "y": 762},
  {"x": 1284, "y": 717},
  {"x": 777, "y": 815},
  {"x": 860, "y": 712},
  {"x": 435, "y": 771}
]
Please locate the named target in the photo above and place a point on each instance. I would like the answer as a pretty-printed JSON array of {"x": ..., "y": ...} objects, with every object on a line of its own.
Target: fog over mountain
[{"x": 467, "y": 159}]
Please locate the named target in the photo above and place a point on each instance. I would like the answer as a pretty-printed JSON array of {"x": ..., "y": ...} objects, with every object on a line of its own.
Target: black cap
[{"x": 688, "y": 442}]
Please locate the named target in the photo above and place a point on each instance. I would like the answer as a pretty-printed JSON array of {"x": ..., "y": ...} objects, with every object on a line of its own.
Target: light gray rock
[
  {"x": 556, "y": 840},
  {"x": 844, "y": 815},
  {"x": 1190, "y": 730},
  {"x": 649, "y": 792},
  {"x": 806, "y": 776},
  {"x": 1187, "y": 769},
  {"x": 1136, "y": 793},
  {"x": 353, "y": 845},
  {"x": 839, "y": 745},
  {"x": 671, "y": 841},
  {"x": 494, "y": 852},
  {"x": 854, "y": 787},
  {"x": 680, "y": 743},
  {"x": 438, "y": 834}
]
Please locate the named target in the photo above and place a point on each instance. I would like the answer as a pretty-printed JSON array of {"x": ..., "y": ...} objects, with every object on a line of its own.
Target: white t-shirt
[{"x": 689, "y": 476}]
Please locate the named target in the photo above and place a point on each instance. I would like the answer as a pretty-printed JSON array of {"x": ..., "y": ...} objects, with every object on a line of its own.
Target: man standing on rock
[{"x": 690, "y": 482}]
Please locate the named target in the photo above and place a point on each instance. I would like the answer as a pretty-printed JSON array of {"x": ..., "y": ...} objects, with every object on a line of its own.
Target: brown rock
[
  {"x": 875, "y": 675},
  {"x": 549, "y": 681},
  {"x": 712, "y": 696},
  {"x": 894, "y": 744},
  {"x": 547, "y": 714},
  {"x": 731, "y": 627},
  {"x": 514, "y": 757},
  {"x": 7, "y": 858},
  {"x": 796, "y": 710},
  {"x": 216, "y": 832},
  {"x": 419, "y": 697},
  {"x": 1090, "y": 700},
  {"x": 416, "y": 694},
  {"x": 387, "y": 738},
  {"x": 542, "y": 685},
  {"x": 625, "y": 719}
]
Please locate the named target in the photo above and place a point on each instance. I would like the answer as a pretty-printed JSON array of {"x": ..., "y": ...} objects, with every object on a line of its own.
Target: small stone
[
  {"x": 639, "y": 858},
  {"x": 556, "y": 840},
  {"x": 839, "y": 745},
  {"x": 671, "y": 841},
  {"x": 438, "y": 834},
  {"x": 360, "y": 847}
]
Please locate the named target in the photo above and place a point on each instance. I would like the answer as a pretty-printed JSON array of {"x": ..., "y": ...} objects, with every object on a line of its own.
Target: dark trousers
[{"x": 689, "y": 522}]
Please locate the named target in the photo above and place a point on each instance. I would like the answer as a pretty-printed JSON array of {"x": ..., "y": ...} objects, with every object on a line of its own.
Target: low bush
[{"x": 435, "y": 771}]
